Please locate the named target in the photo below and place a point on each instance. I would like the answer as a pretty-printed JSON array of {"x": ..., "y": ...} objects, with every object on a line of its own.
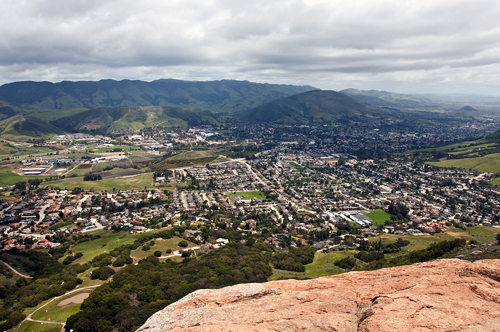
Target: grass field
[
  {"x": 138, "y": 182},
  {"x": 7, "y": 178},
  {"x": 108, "y": 242},
  {"x": 378, "y": 216},
  {"x": 452, "y": 147},
  {"x": 55, "y": 313},
  {"x": 248, "y": 194},
  {"x": 489, "y": 163},
  {"x": 297, "y": 166},
  {"x": 320, "y": 267},
  {"x": 323, "y": 263},
  {"x": 161, "y": 245},
  {"x": 38, "y": 327}
]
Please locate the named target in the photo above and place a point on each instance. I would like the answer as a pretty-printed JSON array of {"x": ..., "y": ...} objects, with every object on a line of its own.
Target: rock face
[{"x": 442, "y": 295}]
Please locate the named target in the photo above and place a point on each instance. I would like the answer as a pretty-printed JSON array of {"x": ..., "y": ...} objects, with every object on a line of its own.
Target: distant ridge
[
  {"x": 309, "y": 107},
  {"x": 215, "y": 96}
]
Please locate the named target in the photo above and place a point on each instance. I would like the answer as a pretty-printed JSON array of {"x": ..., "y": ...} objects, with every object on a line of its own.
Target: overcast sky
[{"x": 436, "y": 46}]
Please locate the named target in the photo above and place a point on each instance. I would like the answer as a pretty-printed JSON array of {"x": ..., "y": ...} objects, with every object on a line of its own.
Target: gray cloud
[{"x": 407, "y": 46}]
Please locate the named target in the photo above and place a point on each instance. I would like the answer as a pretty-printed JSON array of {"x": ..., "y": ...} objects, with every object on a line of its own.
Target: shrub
[
  {"x": 183, "y": 244},
  {"x": 346, "y": 263},
  {"x": 157, "y": 253}
]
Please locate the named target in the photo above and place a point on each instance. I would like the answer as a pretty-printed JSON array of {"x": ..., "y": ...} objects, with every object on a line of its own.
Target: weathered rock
[{"x": 442, "y": 295}]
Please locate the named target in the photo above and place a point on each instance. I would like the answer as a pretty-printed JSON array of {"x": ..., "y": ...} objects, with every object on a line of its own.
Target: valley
[{"x": 137, "y": 204}]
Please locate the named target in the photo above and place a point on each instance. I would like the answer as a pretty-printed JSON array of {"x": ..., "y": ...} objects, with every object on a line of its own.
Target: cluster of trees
[
  {"x": 398, "y": 211},
  {"x": 137, "y": 291},
  {"x": 50, "y": 279},
  {"x": 92, "y": 177},
  {"x": 375, "y": 258},
  {"x": 294, "y": 259}
]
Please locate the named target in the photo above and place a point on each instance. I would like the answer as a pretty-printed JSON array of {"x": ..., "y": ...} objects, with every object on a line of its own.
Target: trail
[{"x": 15, "y": 271}]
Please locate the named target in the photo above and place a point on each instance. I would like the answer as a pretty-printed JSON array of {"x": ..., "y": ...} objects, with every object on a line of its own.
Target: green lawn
[
  {"x": 297, "y": 166},
  {"x": 323, "y": 263},
  {"x": 248, "y": 194},
  {"x": 378, "y": 216},
  {"x": 489, "y": 163},
  {"x": 55, "y": 313},
  {"x": 108, "y": 242},
  {"x": 38, "y": 327}
]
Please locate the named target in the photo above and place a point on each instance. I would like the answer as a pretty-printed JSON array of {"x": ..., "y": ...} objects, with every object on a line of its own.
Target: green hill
[
  {"x": 215, "y": 96},
  {"x": 21, "y": 126},
  {"x": 310, "y": 107},
  {"x": 103, "y": 119},
  {"x": 389, "y": 99}
]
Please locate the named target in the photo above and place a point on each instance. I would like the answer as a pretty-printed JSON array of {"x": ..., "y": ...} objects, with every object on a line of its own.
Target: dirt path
[
  {"x": 15, "y": 271},
  {"x": 28, "y": 318}
]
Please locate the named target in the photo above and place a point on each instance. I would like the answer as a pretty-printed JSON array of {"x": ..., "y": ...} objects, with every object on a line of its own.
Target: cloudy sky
[{"x": 437, "y": 46}]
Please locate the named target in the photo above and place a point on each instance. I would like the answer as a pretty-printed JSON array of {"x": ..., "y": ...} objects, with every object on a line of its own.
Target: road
[
  {"x": 14, "y": 270},
  {"x": 110, "y": 196},
  {"x": 42, "y": 213},
  {"x": 79, "y": 207},
  {"x": 258, "y": 177},
  {"x": 179, "y": 252}
]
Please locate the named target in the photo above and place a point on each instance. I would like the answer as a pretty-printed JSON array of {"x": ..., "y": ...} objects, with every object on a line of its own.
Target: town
[{"x": 304, "y": 182}]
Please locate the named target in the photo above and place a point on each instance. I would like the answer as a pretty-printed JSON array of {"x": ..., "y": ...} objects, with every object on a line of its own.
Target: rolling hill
[
  {"x": 214, "y": 96},
  {"x": 104, "y": 119},
  {"x": 21, "y": 126},
  {"x": 310, "y": 107}
]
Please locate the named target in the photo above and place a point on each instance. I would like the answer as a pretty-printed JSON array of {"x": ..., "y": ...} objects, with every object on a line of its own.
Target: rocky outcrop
[{"x": 442, "y": 295}]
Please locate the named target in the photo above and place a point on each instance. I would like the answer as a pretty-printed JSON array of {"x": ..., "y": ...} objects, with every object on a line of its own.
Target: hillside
[
  {"x": 215, "y": 96},
  {"x": 388, "y": 99},
  {"x": 309, "y": 107},
  {"x": 108, "y": 119},
  {"x": 442, "y": 295},
  {"x": 18, "y": 126}
]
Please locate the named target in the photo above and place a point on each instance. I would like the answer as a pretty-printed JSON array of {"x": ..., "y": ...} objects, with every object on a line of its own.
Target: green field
[
  {"x": 320, "y": 267},
  {"x": 489, "y": 163},
  {"x": 249, "y": 194},
  {"x": 297, "y": 166},
  {"x": 161, "y": 245},
  {"x": 38, "y": 327},
  {"x": 138, "y": 182},
  {"x": 464, "y": 146},
  {"x": 55, "y": 313},
  {"x": 7, "y": 178},
  {"x": 108, "y": 242},
  {"x": 378, "y": 216},
  {"x": 323, "y": 263}
]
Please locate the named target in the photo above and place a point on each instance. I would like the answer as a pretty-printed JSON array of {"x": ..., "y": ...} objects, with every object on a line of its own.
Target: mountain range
[
  {"x": 215, "y": 96},
  {"x": 36, "y": 109}
]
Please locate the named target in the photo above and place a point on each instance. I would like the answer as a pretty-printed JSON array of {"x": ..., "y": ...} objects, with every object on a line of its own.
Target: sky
[{"x": 436, "y": 46}]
